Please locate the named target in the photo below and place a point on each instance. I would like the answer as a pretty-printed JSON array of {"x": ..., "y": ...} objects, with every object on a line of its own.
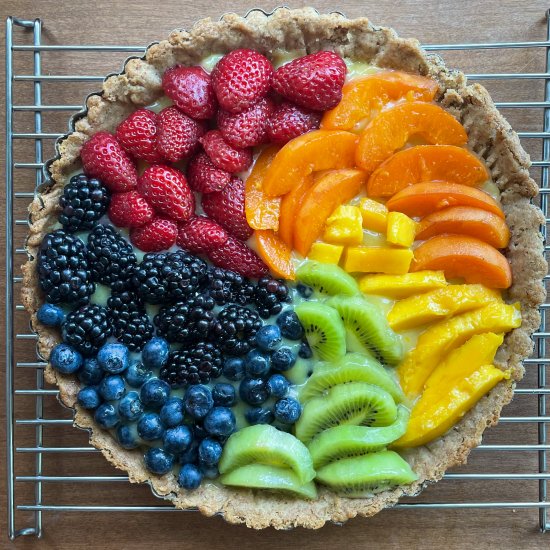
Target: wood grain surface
[{"x": 140, "y": 22}]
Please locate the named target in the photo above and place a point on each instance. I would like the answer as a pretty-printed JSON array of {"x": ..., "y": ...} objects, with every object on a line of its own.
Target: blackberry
[
  {"x": 63, "y": 269},
  {"x": 111, "y": 258},
  {"x": 169, "y": 277},
  {"x": 130, "y": 322},
  {"x": 195, "y": 365},
  {"x": 229, "y": 287},
  {"x": 186, "y": 321},
  {"x": 269, "y": 296},
  {"x": 87, "y": 328},
  {"x": 235, "y": 329},
  {"x": 84, "y": 201}
]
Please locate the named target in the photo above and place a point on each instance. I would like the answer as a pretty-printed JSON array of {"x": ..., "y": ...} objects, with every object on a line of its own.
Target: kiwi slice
[
  {"x": 367, "y": 329},
  {"x": 267, "y": 445},
  {"x": 355, "y": 403},
  {"x": 324, "y": 330},
  {"x": 261, "y": 476},
  {"x": 327, "y": 278},
  {"x": 353, "y": 367},
  {"x": 347, "y": 441},
  {"x": 364, "y": 476}
]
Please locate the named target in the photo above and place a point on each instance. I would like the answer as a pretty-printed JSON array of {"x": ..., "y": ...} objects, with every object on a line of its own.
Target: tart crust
[{"x": 305, "y": 31}]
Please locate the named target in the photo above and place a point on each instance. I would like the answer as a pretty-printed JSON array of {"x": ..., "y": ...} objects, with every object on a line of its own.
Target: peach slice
[
  {"x": 311, "y": 152},
  {"x": 426, "y": 163},
  {"x": 290, "y": 205},
  {"x": 363, "y": 95},
  {"x": 463, "y": 257},
  {"x": 328, "y": 192},
  {"x": 261, "y": 212},
  {"x": 391, "y": 129},
  {"x": 275, "y": 253},
  {"x": 465, "y": 220},
  {"x": 424, "y": 198}
]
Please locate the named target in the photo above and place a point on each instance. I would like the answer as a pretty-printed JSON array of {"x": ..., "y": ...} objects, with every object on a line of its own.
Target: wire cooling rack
[{"x": 40, "y": 454}]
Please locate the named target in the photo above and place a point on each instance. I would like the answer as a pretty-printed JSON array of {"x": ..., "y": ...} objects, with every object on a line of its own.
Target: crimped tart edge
[{"x": 490, "y": 135}]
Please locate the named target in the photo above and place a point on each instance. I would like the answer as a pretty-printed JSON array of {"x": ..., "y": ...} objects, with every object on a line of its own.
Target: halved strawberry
[
  {"x": 177, "y": 134},
  {"x": 236, "y": 256},
  {"x": 225, "y": 156},
  {"x": 137, "y": 134},
  {"x": 159, "y": 234},
  {"x": 204, "y": 177},
  {"x": 200, "y": 235},
  {"x": 130, "y": 209}
]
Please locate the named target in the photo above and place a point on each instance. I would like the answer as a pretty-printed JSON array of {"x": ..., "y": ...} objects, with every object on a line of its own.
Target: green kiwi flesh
[
  {"x": 327, "y": 278},
  {"x": 265, "y": 444},
  {"x": 261, "y": 476},
  {"x": 348, "y": 441},
  {"x": 364, "y": 476}
]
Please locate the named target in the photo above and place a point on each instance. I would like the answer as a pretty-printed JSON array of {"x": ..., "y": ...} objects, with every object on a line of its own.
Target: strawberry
[
  {"x": 177, "y": 134},
  {"x": 204, "y": 177},
  {"x": 290, "y": 121},
  {"x": 130, "y": 209},
  {"x": 223, "y": 155},
  {"x": 248, "y": 128},
  {"x": 227, "y": 208},
  {"x": 236, "y": 256},
  {"x": 314, "y": 81},
  {"x": 190, "y": 88},
  {"x": 103, "y": 157},
  {"x": 155, "y": 236},
  {"x": 137, "y": 134},
  {"x": 240, "y": 79},
  {"x": 200, "y": 235},
  {"x": 167, "y": 191}
]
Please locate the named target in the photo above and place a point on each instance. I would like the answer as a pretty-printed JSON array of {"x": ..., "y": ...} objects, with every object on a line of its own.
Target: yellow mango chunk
[
  {"x": 440, "y": 339},
  {"x": 439, "y": 304},
  {"x": 374, "y": 215},
  {"x": 378, "y": 260},
  {"x": 402, "y": 286},
  {"x": 344, "y": 226},
  {"x": 325, "y": 253},
  {"x": 439, "y": 409},
  {"x": 401, "y": 229}
]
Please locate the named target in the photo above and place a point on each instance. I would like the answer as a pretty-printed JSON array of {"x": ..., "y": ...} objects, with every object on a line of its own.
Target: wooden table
[{"x": 139, "y": 23}]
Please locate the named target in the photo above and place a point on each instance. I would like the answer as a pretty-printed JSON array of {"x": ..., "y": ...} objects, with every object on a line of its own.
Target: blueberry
[
  {"x": 191, "y": 454},
  {"x": 158, "y": 461},
  {"x": 65, "y": 359},
  {"x": 154, "y": 393},
  {"x": 257, "y": 364},
  {"x": 155, "y": 353},
  {"x": 178, "y": 439},
  {"x": 305, "y": 351},
  {"x": 150, "y": 427},
  {"x": 190, "y": 477},
  {"x": 210, "y": 452},
  {"x": 268, "y": 337},
  {"x": 91, "y": 373},
  {"x": 50, "y": 315},
  {"x": 287, "y": 410},
  {"x": 254, "y": 391},
  {"x": 304, "y": 290},
  {"x": 220, "y": 422},
  {"x": 210, "y": 472},
  {"x": 130, "y": 407},
  {"x": 259, "y": 415},
  {"x": 112, "y": 387},
  {"x": 233, "y": 368},
  {"x": 224, "y": 394},
  {"x": 290, "y": 325},
  {"x": 199, "y": 432},
  {"x": 278, "y": 385},
  {"x": 198, "y": 401},
  {"x": 283, "y": 359},
  {"x": 89, "y": 398},
  {"x": 137, "y": 374},
  {"x": 172, "y": 413},
  {"x": 113, "y": 358},
  {"x": 106, "y": 416},
  {"x": 126, "y": 436}
]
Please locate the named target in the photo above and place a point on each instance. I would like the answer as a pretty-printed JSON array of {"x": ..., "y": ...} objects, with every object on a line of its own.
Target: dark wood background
[{"x": 139, "y": 23}]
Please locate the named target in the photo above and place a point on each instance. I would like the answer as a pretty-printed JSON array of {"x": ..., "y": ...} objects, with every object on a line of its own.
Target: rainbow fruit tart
[{"x": 286, "y": 268}]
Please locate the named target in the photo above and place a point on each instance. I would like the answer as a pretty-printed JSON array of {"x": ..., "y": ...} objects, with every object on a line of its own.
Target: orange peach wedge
[
  {"x": 275, "y": 253},
  {"x": 290, "y": 205}
]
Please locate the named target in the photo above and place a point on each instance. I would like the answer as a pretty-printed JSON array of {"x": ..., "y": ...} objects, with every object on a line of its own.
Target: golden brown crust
[{"x": 490, "y": 136}]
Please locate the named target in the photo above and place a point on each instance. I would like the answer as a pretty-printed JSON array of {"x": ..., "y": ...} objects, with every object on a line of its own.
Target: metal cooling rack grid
[{"x": 26, "y": 501}]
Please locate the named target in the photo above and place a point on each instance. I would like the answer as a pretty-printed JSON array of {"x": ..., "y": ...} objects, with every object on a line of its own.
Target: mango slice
[
  {"x": 345, "y": 226},
  {"x": 374, "y": 215},
  {"x": 438, "y": 304},
  {"x": 402, "y": 286},
  {"x": 326, "y": 253},
  {"x": 440, "y": 339},
  {"x": 401, "y": 230},
  {"x": 366, "y": 259}
]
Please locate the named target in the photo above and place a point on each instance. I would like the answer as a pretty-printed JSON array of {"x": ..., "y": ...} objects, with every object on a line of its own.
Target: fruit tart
[{"x": 286, "y": 268}]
